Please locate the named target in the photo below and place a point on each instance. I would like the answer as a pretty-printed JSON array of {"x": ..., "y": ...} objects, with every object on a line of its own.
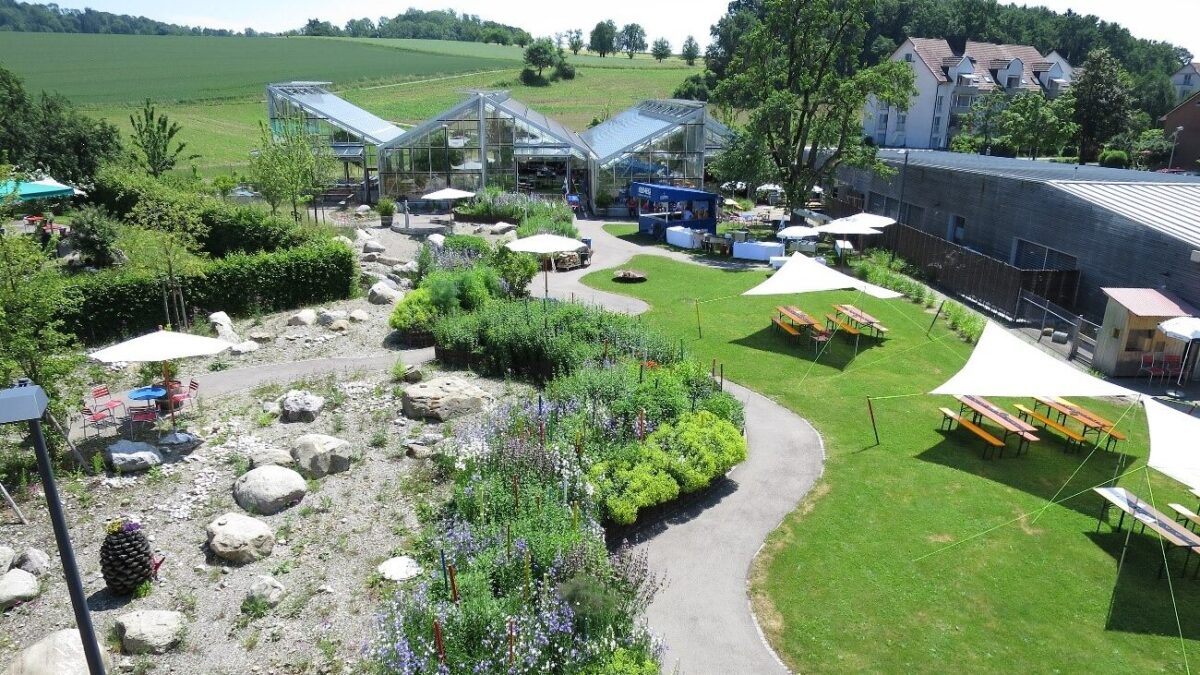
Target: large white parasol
[
  {"x": 1185, "y": 328},
  {"x": 869, "y": 219},
  {"x": 797, "y": 232},
  {"x": 448, "y": 195},
  {"x": 546, "y": 245}
]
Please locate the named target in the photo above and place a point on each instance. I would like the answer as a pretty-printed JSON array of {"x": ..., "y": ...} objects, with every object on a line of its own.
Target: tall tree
[
  {"x": 289, "y": 166},
  {"x": 633, "y": 39},
  {"x": 153, "y": 136},
  {"x": 1102, "y": 102},
  {"x": 541, "y": 54},
  {"x": 984, "y": 118},
  {"x": 575, "y": 41},
  {"x": 1037, "y": 126},
  {"x": 690, "y": 51},
  {"x": 798, "y": 78},
  {"x": 603, "y": 39},
  {"x": 661, "y": 50},
  {"x": 727, "y": 34}
]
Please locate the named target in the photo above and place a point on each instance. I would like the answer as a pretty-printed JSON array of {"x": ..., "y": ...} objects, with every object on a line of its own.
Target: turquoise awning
[{"x": 47, "y": 188}]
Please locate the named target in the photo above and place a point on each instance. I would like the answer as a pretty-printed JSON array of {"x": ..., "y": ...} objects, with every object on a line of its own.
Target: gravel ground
[{"x": 327, "y": 547}]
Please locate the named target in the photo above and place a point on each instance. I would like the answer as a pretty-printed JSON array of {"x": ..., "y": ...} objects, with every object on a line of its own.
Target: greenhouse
[
  {"x": 353, "y": 134},
  {"x": 490, "y": 139}
]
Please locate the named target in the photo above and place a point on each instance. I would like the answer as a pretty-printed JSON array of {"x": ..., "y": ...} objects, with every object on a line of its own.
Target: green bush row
[
  {"x": 882, "y": 269},
  {"x": 532, "y": 215},
  {"x": 115, "y": 304}
]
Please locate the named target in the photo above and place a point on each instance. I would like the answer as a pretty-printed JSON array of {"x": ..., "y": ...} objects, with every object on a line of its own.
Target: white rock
[
  {"x": 246, "y": 347},
  {"x": 305, "y": 317},
  {"x": 269, "y": 489},
  {"x": 32, "y": 560},
  {"x": 16, "y": 586},
  {"x": 388, "y": 261},
  {"x": 129, "y": 456},
  {"x": 359, "y": 316},
  {"x": 320, "y": 455},
  {"x": 502, "y": 228},
  {"x": 7, "y": 555},
  {"x": 223, "y": 325},
  {"x": 150, "y": 631},
  {"x": 340, "y": 326},
  {"x": 270, "y": 455},
  {"x": 328, "y": 316},
  {"x": 240, "y": 539},
  {"x": 383, "y": 294},
  {"x": 261, "y": 336},
  {"x": 373, "y": 246},
  {"x": 406, "y": 269},
  {"x": 401, "y": 568},
  {"x": 266, "y": 589},
  {"x": 436, "y": 240},
  {"x": 369, "y": 257},
  {"x": 443, "y": 398},
  {"x": 300, "y": 406},
  {"x": 361, "y": 236},
  {"x": 59, "y": 653}
]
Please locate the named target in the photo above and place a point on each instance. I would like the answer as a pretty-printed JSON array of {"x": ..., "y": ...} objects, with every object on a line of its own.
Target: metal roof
[
  {"x": 1171, "y": 208},
  {"x": 1028, "y": 170},
  {"x": 638, "y": 124},
  {"x": 1150, "y": 302},
  {"x": 314, "y": 98}
]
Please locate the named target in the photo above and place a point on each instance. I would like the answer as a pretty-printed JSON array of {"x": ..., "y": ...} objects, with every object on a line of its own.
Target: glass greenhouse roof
[{"x": 313, "y": 98}]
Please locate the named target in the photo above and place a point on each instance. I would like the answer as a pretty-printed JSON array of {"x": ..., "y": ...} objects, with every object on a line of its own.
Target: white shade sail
[
  {"x": 1173, "y": 449},
  {"x": 1186, "y": 328},
  {"x": 797, "y": 232},
  {"x": 162, "y": 345},
  {"x": 448, "y": 194},
  {"x": 545, "y": 244},
  {"x": 842, "y": 228},
  {"x": 801, "y": 274},
  {"x": 868, "y": 219},
  {"x": 1005, "y": 365}
]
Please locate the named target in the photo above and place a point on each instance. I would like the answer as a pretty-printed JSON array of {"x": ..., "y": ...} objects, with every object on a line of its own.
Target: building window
[
  {"x": 1012, "y": 83},
  {"x": 957, "y": 230},
  {"x": 883, "y": 121},
  {"x": 913, "y": 216},
  {"x": 908, "y": 57},
  {"x": 900, "y": 120},
  {"x": 1187, "y": 80},
  {"x": 937, "y": 102},
  {"x": 963, "y": 101},
  {"x": 1028, "y": 255}
]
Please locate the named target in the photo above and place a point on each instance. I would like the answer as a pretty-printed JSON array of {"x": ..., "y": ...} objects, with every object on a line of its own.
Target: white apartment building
[
  {"x": 948, "y": 83},
  {"x": 1186, "y": 81}
]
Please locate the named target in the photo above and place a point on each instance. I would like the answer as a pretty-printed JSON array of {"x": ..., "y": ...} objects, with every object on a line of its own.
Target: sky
[{"x": 1173, "y": 21}]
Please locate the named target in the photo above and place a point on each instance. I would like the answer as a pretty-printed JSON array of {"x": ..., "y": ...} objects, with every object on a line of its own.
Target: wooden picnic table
[
  {"x": 797, "y": 316},
  {"x": 861, "y": 318},
  {"x": 1011, "y": 424},
  {"x": 1141, "y": 511},
  {"x": 1090, "y": 421}
]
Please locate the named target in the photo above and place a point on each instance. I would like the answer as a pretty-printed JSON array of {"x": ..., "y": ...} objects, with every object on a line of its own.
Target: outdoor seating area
[
  {"x": 845, "y": 319},
  {"x": 979, "y": 409},
  {"x": 1168, "y": 529},
  {"x": 139, "y": 406},
  {"x": 1059, "y": 416}
]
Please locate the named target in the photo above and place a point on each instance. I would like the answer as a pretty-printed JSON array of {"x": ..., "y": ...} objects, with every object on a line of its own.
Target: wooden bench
[
  {"x": 1113, "y": 437},
  {"x": 949, "y": 417},
  {"x": 1074, "y": 438},
  {"x": 1185, "y": 515},
  {"x": 831, "y": 321},
  {"x": 785, "y": 326}
]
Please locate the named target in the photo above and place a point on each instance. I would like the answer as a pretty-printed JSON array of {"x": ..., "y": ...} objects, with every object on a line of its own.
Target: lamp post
[
  {"x": 26, "y": 402},
  {"x": 903, "y": 177},
  {"x": 1174, "y": 143}
]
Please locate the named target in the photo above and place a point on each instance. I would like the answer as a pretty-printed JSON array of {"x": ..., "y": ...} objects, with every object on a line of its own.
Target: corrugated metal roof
[
  {"x": 341, "y": 113},
  {"x": 1150, "y": 302},
  {"x": 1170, "y": 208},
  {"x": 1024, "y": 169}
]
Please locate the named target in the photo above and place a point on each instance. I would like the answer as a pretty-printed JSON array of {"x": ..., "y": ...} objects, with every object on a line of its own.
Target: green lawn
[{"x": 881, "y": 569}]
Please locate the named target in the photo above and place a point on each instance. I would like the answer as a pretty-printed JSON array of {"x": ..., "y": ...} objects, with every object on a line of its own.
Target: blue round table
[{"x": 147, "y": 393}]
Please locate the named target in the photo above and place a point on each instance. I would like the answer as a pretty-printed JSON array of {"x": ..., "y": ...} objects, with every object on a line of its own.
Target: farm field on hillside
[
  {"x": 515, "y": 53},
  {"x": 94, "y": 69}
]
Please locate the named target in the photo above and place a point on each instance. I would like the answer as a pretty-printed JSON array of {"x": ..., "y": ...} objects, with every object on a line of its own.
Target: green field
[
  {"x": 214, "y": 87},
  {"x": 915, "y": 554}
]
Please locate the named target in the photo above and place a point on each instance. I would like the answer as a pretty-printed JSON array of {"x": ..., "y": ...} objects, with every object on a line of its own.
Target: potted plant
[
  {"x": 126, "y": 561},
  {"x": 386, "y": 208}
]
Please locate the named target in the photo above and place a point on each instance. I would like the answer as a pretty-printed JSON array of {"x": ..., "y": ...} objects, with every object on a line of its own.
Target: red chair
[
  {"x": 142, "y": 415},
  {"x": 177, "y": 400},
  {"x": 1149, "y": 366},
  {"x": 102, "y": 399},
  {"x": 96, "y": 419},
  {"x": 1173, "y": 365}
]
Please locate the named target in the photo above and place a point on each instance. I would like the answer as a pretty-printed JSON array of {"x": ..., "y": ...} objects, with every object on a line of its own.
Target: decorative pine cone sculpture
[{"x": 125, "y": 557}]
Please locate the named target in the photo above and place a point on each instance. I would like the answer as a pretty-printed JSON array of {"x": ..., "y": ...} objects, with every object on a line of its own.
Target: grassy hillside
[{"x": 515, "y": 53}]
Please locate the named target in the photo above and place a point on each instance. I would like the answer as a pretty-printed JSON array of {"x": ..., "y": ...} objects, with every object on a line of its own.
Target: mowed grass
[
  {"x": 91, "y": 69},
  {"x": 915, "y": 554}
]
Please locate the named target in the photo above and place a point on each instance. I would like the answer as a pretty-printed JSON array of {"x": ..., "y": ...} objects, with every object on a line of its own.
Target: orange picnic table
[
  {"x": 1011, "y": 424},
  {"x": 861, "y": 319},
  {"x": 1090, "y": 421}
]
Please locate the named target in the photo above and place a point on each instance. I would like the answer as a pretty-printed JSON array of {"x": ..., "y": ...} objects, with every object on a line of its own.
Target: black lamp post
[{"x": 26, "y": 402}]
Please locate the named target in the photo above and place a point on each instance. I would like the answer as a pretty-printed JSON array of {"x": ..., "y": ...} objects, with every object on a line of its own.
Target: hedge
[{"x": 116, "y": 304}]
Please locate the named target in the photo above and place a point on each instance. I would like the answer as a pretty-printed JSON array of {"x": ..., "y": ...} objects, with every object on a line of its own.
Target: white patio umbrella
[
  {"x": 161, "y": 345},
  {"x": 448, "y": 195},
  {"x": 842, "y": 227},
  {"x": 546, "y": 245},
  {"x": 869, "y": 219},
  {"x": 1186, "y": 328},
  {"x": 797, "y": 232}
]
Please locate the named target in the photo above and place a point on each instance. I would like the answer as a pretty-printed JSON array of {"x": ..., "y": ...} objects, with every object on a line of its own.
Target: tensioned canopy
[
  {"x": 161, "y": 345},
  {"x": 801, "y": 274},
  {"x": 545, "y": 244},
  {"x": 448, "y": 194},
  {"x": 1173, "y": 449},
  {"x": 1005, "y": 365}
]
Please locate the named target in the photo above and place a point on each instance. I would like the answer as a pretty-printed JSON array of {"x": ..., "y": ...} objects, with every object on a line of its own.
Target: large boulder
[
  {"x": 373, "y": 246},
  {"x": 17, "y": 586},
  {"x": 240, "y": 539},
  {"x": 7, "y": 555},
  {"x": 269, "y": 455},
  {"x": 382, "y": 293},
  {"x": 326, "y": 317},
  {"x": 59, "y": 653},
  {"x": 269, "y": 489},
  {"x": 300, "y": 406},
  {"x": 305, "y": 317},
  {"x": 128, "y": 456},
  {"x": 150, "y": 631},
  {"x": 406, "y": 269},
  {"x": 266, "y": 589},
  {"x": 437, "y": 241},
  {"x": 247, "y": 347},
  {"x": 401, "y": 568},
  {"x": 443, "y": 398},
  {"x": 320, "y": 455},
  {"x": 223, "y": 325},
  {"x": 33, "y": 560},
  {"x": 501, "y": 228},
  {"x": 359, "y": 316}
]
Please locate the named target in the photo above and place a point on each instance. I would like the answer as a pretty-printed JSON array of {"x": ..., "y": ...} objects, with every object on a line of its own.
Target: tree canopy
[
  {"x": 661, "y": 50},
  {"x": 690, "y": 51},
  {"x": 154, "y": 137},
  {"x": 575, "y": 41},
  {"x": 1102, "y": 102},
  {"x": 31, "y": 17},
  {"x": 633, "y": 39},
  {"x": 603, "y": 39},
  {"x": 541, "y": 54}
]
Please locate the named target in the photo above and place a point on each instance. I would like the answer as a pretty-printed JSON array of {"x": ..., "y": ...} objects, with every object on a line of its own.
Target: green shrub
[
  {"x": 545, "y": 224},
  {"x": 516, "y": 270},
  {"x": 1114, "y": 159},
  {"x": 94, "y": 235},
  {"x": 415, "y": 313},
  {"x": 635, "y": 478},
  {"x": 469, "y": 244},
  {"x": 385, "y": 207},
  {"x": 701, "y": 447},
  {"x": 454, "y": 290},
  {"x": 231, "y": 228},
  {"x": 564, "y": 71}
]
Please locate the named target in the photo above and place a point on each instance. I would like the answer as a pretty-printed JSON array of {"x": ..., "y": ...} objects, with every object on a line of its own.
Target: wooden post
[
  {"x": 722, "y": 377},
  {"x": 13, "y": 505},
  {"x": 67, "y": 438},
  {"x": 453, "y": 584},
  {"x": 437, "y": 640},
  {"x": 699, "y": 332},
  {"x": 935, "y": 317},
  {"x": 512, "y": 642},
  {"x": 871, "y": 412}
]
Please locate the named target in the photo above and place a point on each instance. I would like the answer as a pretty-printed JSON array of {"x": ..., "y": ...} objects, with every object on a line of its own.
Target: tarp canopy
[
  {"x": 161, "y": 345},
  {"x": 1005, "y": 365},
  {"x": 1173, "y": 449},
  {"x": 545, "y": 244},
  {"x": 448, "y": 194},
  {"x": 46, "y": 188},
  {"x": 801, "y": 274}
]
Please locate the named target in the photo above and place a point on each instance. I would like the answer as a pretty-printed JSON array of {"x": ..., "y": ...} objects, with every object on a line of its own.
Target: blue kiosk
[{"x": 663, "y": 206}]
